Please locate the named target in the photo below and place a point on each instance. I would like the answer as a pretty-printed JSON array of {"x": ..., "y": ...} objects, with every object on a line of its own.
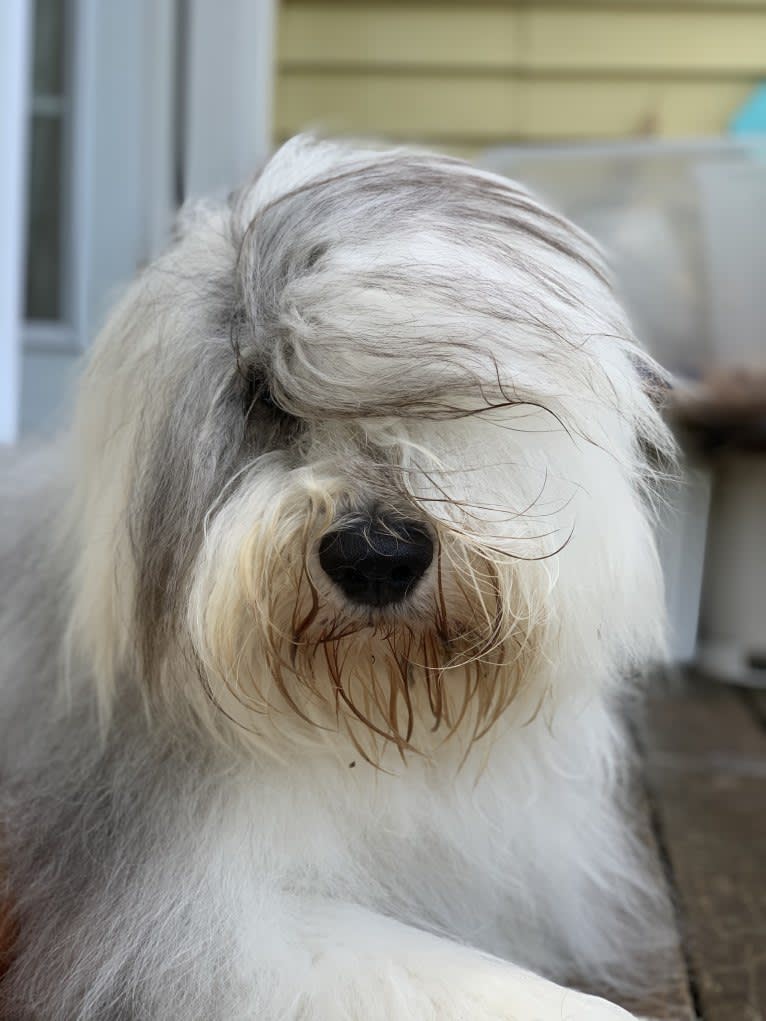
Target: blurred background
[{"x": 644, "y": 120}]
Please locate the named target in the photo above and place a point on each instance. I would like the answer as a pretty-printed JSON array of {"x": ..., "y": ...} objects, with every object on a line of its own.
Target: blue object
[{"x": 750, "y": 119}]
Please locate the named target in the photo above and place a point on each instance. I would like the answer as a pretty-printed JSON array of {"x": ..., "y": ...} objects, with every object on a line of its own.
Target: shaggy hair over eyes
[{"x": 327, "y": 322}]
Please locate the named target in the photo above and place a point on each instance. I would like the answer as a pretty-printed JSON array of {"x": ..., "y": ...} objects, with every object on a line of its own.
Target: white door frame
[
  {"x": 130, "y": 162},
  {"x": 229, "y": 83},
  {"x": 15, "y": 20}
]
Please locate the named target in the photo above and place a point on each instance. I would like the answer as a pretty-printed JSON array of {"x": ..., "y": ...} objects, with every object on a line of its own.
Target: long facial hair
[{"x": 281, "y": 650}]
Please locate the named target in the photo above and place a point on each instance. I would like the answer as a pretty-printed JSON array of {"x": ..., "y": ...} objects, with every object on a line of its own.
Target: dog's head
[{"x": 364, "y": 454}]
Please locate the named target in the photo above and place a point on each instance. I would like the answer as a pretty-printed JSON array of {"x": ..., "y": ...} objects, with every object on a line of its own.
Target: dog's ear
[
  {"x": 190, "y": 215},
  {"x": 657, "y": 382}
]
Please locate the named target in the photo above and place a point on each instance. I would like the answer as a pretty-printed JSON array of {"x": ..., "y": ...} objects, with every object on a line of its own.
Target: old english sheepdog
[{"x": 315, "y": 621}]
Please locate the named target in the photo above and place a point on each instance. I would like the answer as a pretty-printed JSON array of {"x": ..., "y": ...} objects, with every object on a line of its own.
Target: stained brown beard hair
[{"x": 414, "y": 665}]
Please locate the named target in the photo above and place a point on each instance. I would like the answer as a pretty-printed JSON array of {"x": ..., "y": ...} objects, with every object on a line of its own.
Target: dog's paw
[
  {"x": 465, "y": 987},
  {"x": 512, "y": 994},
  {"x": 369, "y": 968}
]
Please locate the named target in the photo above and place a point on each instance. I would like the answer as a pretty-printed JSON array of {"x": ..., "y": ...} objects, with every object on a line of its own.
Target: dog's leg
[{"x": 366, "y": 967}]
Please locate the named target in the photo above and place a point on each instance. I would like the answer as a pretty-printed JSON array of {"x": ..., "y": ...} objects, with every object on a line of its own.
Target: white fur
[{"x": 261, "y": 846}]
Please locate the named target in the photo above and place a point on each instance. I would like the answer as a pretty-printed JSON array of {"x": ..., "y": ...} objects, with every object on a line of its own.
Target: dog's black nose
[{"x": 376, "y": 563}]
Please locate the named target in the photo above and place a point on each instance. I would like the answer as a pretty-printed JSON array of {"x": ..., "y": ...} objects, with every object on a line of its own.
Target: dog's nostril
[
  {"x": 401, "y": 574},
  {"x": 376, "y": 563}
]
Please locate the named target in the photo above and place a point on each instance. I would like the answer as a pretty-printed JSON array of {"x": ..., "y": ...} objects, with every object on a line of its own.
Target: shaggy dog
[{"x": 314, "y": 622}]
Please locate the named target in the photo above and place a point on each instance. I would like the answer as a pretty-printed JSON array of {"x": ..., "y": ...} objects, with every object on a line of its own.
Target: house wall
[{"x": 467, "y": 75}]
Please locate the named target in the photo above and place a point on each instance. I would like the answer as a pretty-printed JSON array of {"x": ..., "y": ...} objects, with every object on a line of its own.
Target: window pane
[
  {"x": 43, "y": 297},
  {"x": 49, "y": 45}
]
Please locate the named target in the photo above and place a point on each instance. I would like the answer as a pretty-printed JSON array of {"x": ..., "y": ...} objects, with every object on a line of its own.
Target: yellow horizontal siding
[
  {"x": 333, "y": 35},
  {"x": 706, "y": 43},
  {"x": 661, "y": 5},
  {"x": 471, "y": 74},
  {"x": 443, "y": 107}
]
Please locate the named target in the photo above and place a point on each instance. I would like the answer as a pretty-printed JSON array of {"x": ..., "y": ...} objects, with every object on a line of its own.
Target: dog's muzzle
[{"x": 376, "y": 562}]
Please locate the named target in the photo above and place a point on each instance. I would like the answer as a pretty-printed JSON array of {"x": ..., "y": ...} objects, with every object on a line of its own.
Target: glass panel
[
  {"x": 43, "y": 290},
  {"x": 49, "y": 46}
]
